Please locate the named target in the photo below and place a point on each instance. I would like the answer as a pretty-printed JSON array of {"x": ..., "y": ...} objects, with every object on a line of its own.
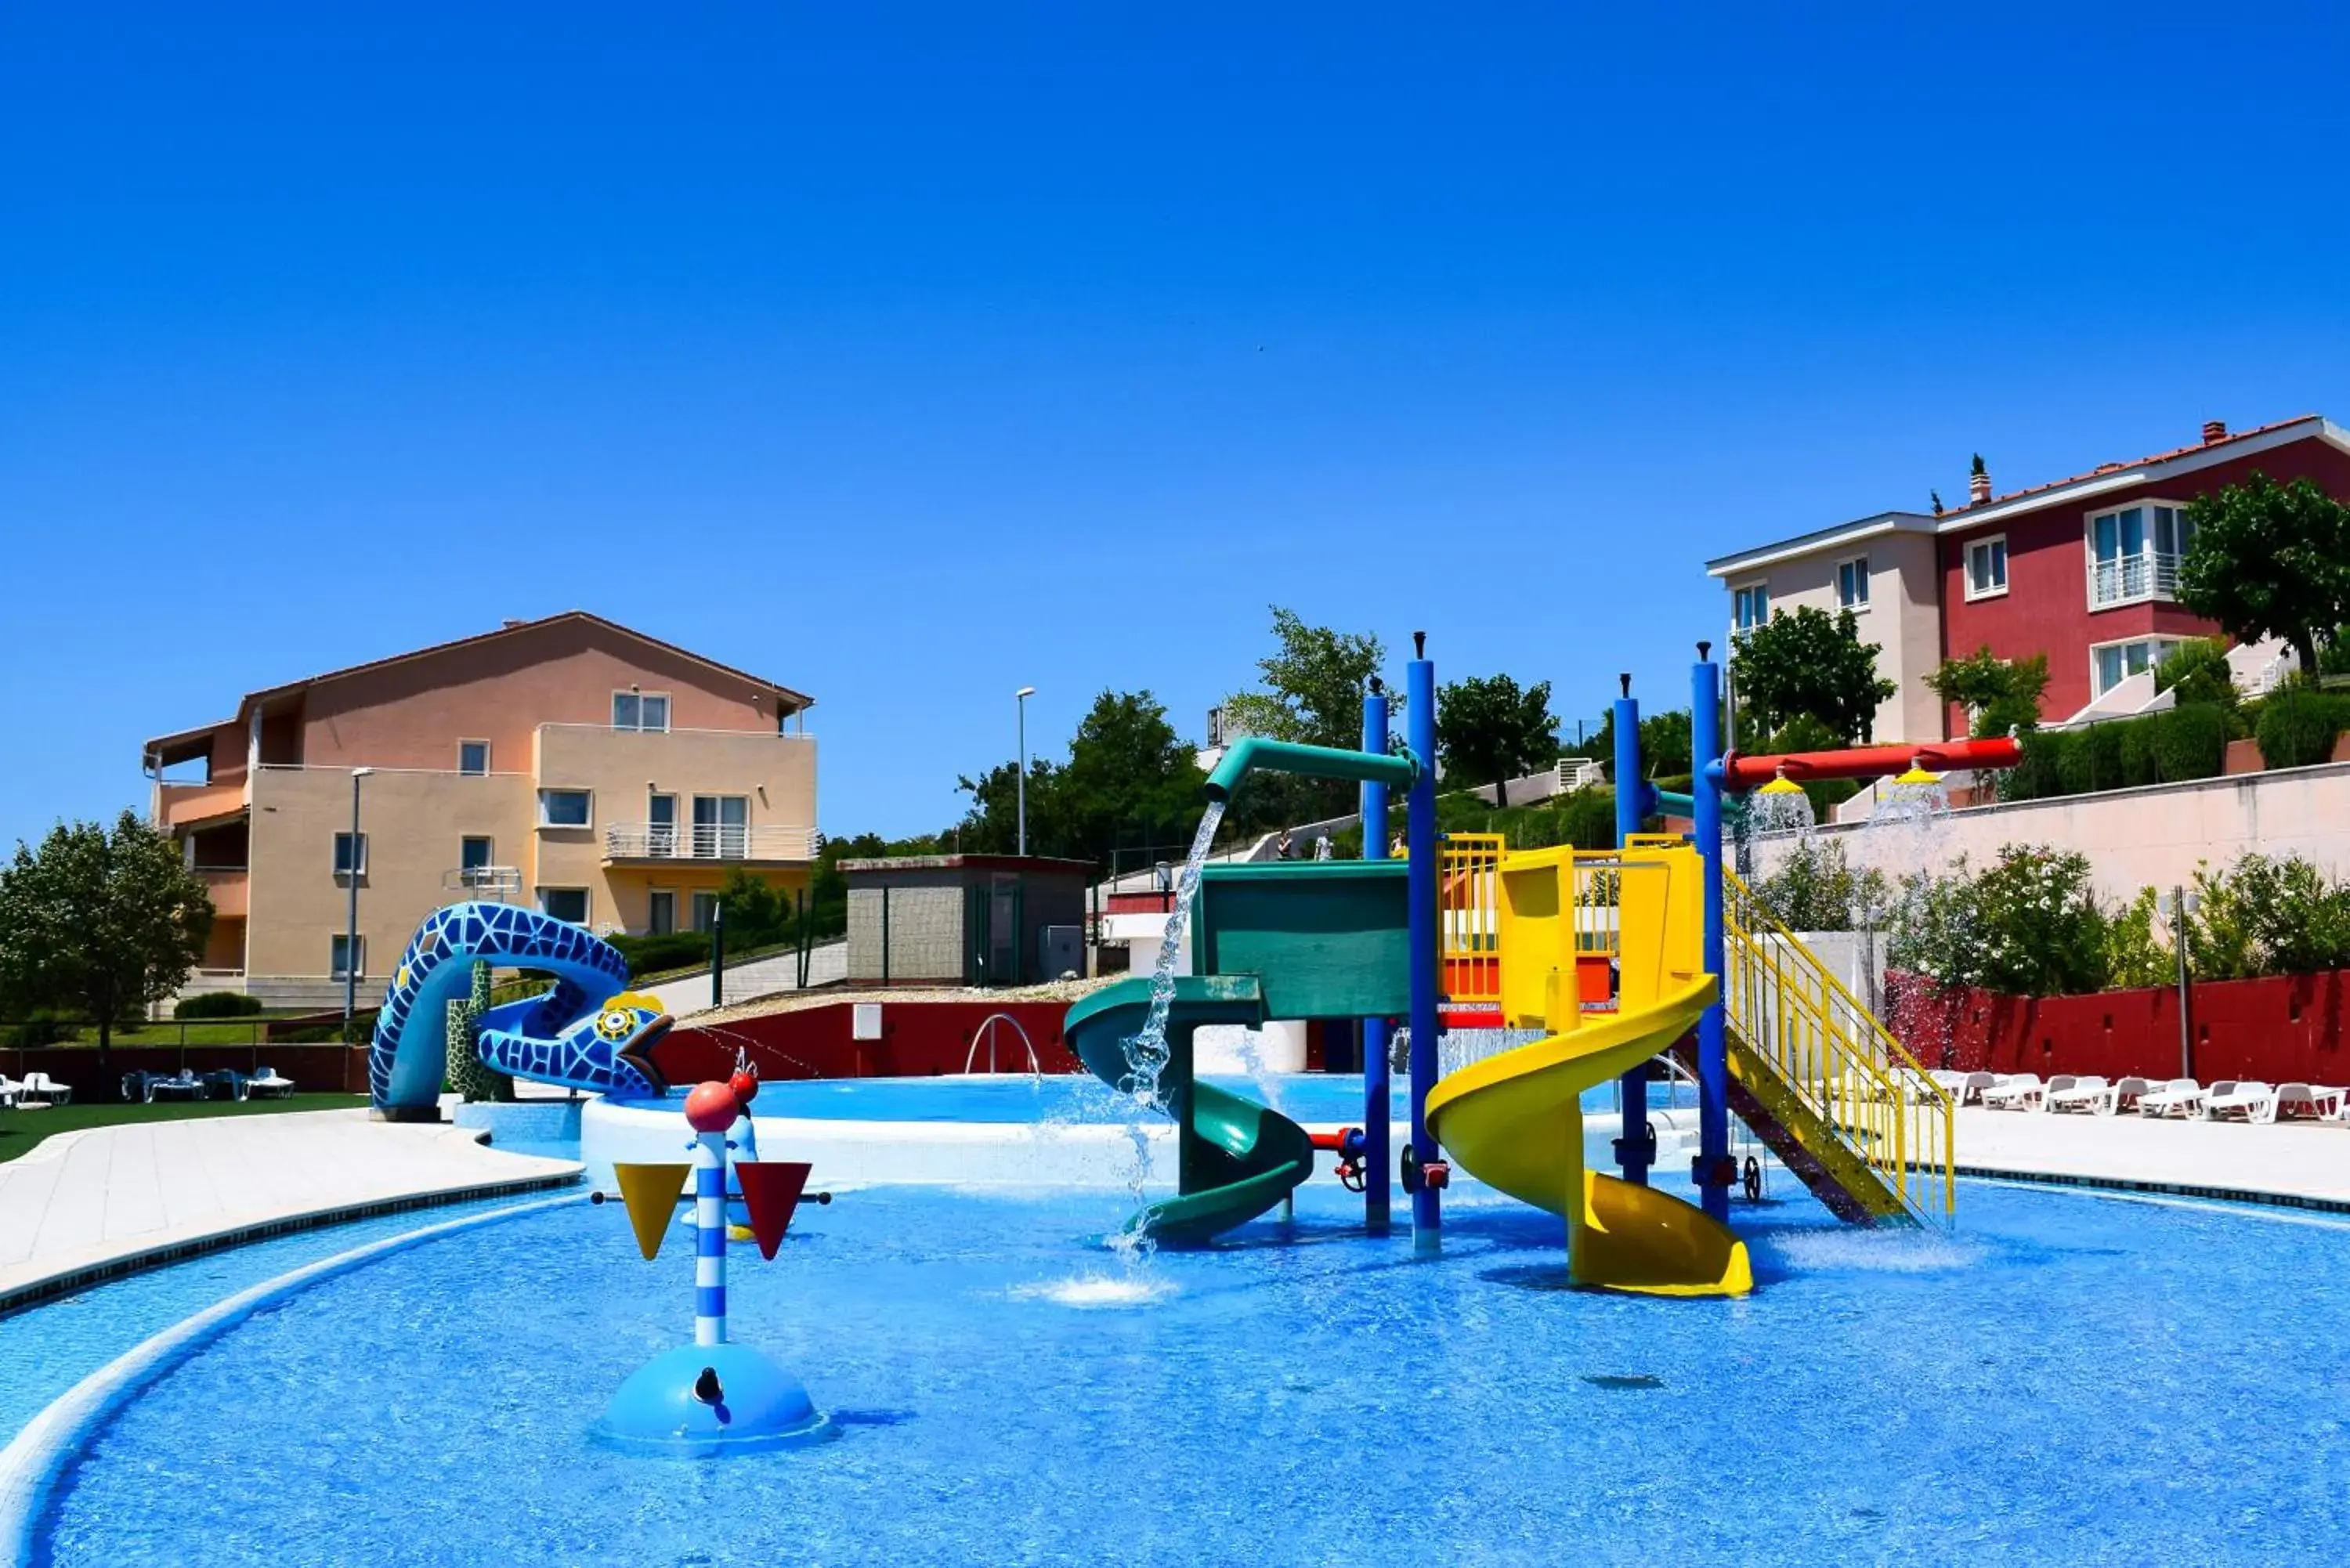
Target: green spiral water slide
[{"x": 1285, "y": 940}]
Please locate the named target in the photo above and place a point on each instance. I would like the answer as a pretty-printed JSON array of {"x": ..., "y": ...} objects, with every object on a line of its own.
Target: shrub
[
  {"x": 2091, "y": 760},
  {"x": 2268, "y": 916},
  {"x": 2297, "y": 727},
  {"x": 2027, "y": 926},
  {"x": 217, "y": 1004},
  {"x": 673, "y": 950},
  {"x": 2136, "y": 738},
  {"x": 2037, "y": 776},
  {"x": 2190, "y": 741},
  {"x": 2135, "y": 957},
  {"x": 2198, "y": 671},
  {"x": 1815, "y": 889}
]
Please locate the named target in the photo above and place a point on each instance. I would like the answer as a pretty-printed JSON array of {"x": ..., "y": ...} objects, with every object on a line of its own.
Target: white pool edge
[{"x": 37, "y": 1458}]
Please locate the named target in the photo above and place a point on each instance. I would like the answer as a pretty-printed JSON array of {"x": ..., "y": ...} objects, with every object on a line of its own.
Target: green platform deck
[{"x": 1325, "y": 939}]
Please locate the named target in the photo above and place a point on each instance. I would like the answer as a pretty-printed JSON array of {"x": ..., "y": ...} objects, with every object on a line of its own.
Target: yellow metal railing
[
  {"x": 1469, "y": 916},
  {"x": 1832, "y": 1053}
]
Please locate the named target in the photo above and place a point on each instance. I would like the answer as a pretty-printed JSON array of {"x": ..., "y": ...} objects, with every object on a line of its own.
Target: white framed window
[
  {"x": 2135, "y": 552},
  {"x": 722, "y": 826},
  {"x": 473, "y": 758},
  {"x": 705, "y": 910},
  {"x": 566, "y": 808},
  {"x": 338, "y": 956},
  {"x": 475, "y": 853},
  {"x": 640, "y": 710},
  {"x": 2111, "y": 663},
  {"x": 660, "y": 912},
  {"x": 1750, "y": 607},
  {"x": 1987, "y": 567},
  {"x": 1852, "y": 583},
  {"x": 564, "y": 904},
  {"x": 350, "y": 855}
]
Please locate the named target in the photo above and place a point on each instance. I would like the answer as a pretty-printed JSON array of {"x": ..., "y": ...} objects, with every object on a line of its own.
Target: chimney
[
  {"x": 1978, "y": 482},
  {"x": 2214, "y": 429}
]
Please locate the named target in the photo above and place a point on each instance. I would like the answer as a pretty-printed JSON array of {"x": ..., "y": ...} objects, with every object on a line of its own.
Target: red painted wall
[
  {"x": 2046, "y": 607},
  {"x": 918, "y": 1039},
  {"x": 2282, "y": 1029}
]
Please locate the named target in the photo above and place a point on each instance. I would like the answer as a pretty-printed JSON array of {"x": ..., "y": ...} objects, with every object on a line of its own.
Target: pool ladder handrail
[{"x": 987, "y": 1027}]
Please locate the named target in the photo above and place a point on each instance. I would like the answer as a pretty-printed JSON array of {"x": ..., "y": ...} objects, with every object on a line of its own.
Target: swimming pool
[{"x": 2072, "y": 1378}]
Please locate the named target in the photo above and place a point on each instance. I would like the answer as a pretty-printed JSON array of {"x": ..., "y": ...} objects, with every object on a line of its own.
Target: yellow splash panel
[{"x": 650, "y": 1192}]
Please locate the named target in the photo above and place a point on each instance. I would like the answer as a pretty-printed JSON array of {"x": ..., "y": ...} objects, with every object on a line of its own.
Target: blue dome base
[{"x": 759, "y": 1405}]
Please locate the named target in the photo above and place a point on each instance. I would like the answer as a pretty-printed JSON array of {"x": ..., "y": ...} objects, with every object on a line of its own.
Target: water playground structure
[{"x": 1610, "y": 959}]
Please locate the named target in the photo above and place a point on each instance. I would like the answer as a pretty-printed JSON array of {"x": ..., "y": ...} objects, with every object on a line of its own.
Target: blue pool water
[
  {"x": 2071, "y": 1379},
  {"x": 46, "y": 1350}
]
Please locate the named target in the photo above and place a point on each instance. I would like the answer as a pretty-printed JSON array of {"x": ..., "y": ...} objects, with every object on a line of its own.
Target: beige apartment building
[{"x": 595, "y": 772}]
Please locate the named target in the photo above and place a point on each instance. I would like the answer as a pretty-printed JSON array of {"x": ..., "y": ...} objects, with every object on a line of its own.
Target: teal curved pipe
[{"x": 1253, "y": 753}]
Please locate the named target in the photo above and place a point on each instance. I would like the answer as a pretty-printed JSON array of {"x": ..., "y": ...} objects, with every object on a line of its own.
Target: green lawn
[{"x": 21, "y": 1129}]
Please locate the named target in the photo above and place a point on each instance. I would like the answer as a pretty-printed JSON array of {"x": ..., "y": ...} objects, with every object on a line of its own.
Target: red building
[{"x": 2081, "y": 569}]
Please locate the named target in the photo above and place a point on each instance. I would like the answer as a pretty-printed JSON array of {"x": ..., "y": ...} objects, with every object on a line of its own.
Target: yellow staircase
[{"x": 1822, "y": 1083}]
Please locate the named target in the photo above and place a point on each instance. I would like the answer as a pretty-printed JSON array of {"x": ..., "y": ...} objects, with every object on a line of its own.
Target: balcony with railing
[
  {"x": 2127, "y": 579},
  {"x": 229, "y": 888},
  {"x": 718, "y": 842}
]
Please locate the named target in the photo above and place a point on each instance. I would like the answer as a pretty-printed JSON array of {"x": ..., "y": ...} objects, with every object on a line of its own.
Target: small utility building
[{"x": 965, "y": 919}]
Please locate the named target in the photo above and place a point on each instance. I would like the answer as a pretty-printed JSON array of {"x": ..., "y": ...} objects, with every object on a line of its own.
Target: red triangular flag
[{"x": 771, "y": 1190}]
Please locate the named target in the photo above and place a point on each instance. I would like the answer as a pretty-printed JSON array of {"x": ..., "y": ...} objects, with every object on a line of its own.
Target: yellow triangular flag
[{"x": 650, "y": 1191}]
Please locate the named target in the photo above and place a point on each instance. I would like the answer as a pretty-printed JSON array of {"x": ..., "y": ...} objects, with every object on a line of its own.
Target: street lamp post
[
  {"x": 351, "y": 908},
  {"x": 1020, "y": 700}
]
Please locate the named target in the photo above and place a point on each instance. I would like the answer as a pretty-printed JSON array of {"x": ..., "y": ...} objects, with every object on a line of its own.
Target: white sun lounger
[
  {"x": 2254, "y": 1100},
  {"x": 2126, "y": 1093},
  {"x": 266, "y": 1083},
  {"x": 2184, "y": 1096},
  {"x": 2320, "y": 1104},
  {"x": 2088, "y": 1092},
  {"x": 9, "y": 1089},
  {"x": 40, "y": 1086},
  {"x": 2014, "y": 1093}
]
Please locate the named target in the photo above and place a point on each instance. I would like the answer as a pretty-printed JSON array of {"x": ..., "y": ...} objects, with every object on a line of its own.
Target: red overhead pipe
[{"x": 1742, "y": 773}]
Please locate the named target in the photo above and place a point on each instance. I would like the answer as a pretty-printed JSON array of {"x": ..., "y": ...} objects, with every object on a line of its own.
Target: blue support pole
[
  {"x": 1712, "y": 1166},
  {"x": 1632, "y": 1142},
  {"x": 1419, "y": 827},
  {"x": 1376, "y": 1153}
]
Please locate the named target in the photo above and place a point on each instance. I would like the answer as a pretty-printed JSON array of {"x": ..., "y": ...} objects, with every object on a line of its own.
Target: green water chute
[{"x": 1253, "y": 753}]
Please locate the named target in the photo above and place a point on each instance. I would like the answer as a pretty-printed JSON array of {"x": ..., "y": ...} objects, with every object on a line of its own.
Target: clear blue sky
[{"x": 910, "y": 355}]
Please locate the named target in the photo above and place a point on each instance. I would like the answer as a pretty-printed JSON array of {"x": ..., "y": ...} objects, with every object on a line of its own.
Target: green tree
[
  {"x": 2000, "y": 694},
  {"x": 1313, "y": 684},
  {"x": 2198, "y": 671},
  {"x": 1488, "y": 730},
  {"x": 1129, "y": 776},
  {"x": 1665, "y": 741},
  {"x": 1808, "y": 661},
  {"x": 2270, "y": 560},
  {"x": 991, "y": 826},
  {"x": 1313, "y": 694},
  {"x": 100, "y": 921}
]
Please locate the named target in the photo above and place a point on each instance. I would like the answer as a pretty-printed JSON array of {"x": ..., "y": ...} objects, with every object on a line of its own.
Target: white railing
[
  {"x": 2148, "y": 573},
  {"x": 708, "y": 841}
]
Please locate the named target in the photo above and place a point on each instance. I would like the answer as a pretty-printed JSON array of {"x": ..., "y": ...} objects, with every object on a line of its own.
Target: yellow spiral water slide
[{"x": 1514, "y": 1120}]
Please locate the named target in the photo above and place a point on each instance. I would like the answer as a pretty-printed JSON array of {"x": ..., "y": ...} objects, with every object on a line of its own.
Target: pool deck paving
[
  {"x": 2304, "y": 1163},
  {"x": 84, "y": 1205}
]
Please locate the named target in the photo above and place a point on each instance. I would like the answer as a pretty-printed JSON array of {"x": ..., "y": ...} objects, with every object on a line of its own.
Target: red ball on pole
[{"x": 712, "y": 1108}]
